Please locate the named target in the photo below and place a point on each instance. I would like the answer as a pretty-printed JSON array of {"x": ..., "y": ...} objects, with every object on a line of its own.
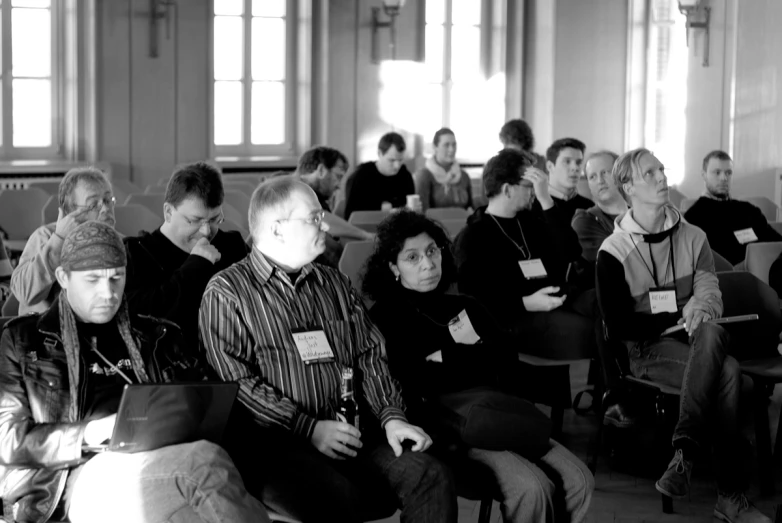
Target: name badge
[
  {"x": 533, "y": 269},
  {"x": 745, "y": 236},
  {"x": 662, "y": 301},
  {"x": 313, "y": 346},
  {"x": 462, "y": 330}
]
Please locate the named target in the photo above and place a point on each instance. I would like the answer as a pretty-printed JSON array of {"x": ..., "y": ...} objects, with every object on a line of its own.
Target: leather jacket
[{"x": 39, "y": 444}]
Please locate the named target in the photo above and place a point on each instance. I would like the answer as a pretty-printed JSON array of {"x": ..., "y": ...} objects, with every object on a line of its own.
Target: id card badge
[
  {"x": 745, "y": 236},
  {"x": 533, "y": 269},
  {"x": 662, "y": 300},
  {"x": 313, "y": 346},
  {"x": 462, "y": 330}
]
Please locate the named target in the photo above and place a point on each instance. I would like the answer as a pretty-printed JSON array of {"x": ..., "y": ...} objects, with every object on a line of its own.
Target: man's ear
[
  {"x": 549, "y": 166},
  {"x": 168, "y": 211},
  {"x": 628, "y": 189},
  {"x": 62, "y": 278},
  {"x": 321, "y": 171},
  {"x": 505, "y": 190},
  {"x": 276, "y": 230}
]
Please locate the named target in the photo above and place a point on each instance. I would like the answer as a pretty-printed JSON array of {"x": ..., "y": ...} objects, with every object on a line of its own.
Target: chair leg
[
  {"x": 763, "y": 438},
  {"x": 484, "y": 514}
]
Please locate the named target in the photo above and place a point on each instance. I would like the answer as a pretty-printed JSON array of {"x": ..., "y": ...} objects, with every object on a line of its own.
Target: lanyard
[
  {"x": 653, "y": 270},
  {"x": 524, "y": 250},
  {"x": 94, "y": 343}
]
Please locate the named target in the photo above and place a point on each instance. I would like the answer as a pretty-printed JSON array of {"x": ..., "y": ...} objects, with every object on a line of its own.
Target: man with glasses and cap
[
  {"x": 84, "y": 194},
  {"x": 168, "y": 268}
]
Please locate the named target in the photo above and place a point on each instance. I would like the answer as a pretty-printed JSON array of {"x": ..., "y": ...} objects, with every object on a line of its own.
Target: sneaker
[
  {"x": 675, "y": 482},
  {"x": 736, "y": 508}
]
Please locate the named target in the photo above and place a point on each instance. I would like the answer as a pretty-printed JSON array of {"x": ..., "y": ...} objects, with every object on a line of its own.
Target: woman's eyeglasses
[{"x": 414, "y": 258}]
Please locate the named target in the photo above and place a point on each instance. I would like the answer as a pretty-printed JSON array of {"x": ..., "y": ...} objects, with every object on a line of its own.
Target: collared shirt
[
  {"x": 707, "y": 194},
  {"x": 247, "y": 315},
  {"x": 556, "y": 193}
]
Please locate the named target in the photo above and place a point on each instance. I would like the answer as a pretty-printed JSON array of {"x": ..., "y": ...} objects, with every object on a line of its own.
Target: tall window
[
  {"x": 29, "y": 79},
  {"x": 253, "y": 67}
]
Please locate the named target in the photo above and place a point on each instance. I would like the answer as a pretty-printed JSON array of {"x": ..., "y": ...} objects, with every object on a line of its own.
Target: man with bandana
[{"x": 62, "y": 374}]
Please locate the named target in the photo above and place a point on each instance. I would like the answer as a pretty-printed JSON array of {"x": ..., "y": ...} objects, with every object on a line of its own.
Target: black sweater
[
  {"x": 488, "y": 262},
  {"x": 569, "y": 207},
  {"x": 166, "y": 282},
  {"x": 367, "y": 189},
  {"x": 719, "y": 219}
]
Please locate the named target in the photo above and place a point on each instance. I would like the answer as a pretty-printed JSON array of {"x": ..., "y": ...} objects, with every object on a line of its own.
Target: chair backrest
[
  {"x": 686, "y": 204},
  {"x": 4, "y": 320},
  {"x": 51, "y": 210},
  {"x": 123, "y": 188},
  {"x": 720, "y": 263},
  {"x": 230, "y": 225},
  {"x": 163, "y": 182},
  {"x": 133, "y": 218},
  {"x": 11, "y": 306},
  {"x": 353, "y": 258},
  {"x": 676, "y": 197},
  {"x": 235, "y": 216},
  {"x": 239, "y": 201},
  {"x": 155, "y": 189},
  {"x": 447, "y": 213},
  {"x": 766, "y": 206},
  {"x": 367, "y": 220},
  {"x": 20, "y": 211},
  {"x": 153, "y": 202},
  {"x": 454, "y": 227},
  {"x": 760, "y": 256},
  {"x": 246, "y": 187},
  {"x": 777, "y": 226},
  {"x": 47, "y": 187}
]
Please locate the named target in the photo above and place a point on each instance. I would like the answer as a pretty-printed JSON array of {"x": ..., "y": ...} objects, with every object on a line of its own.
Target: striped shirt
[{"x": 247, "y": 315}]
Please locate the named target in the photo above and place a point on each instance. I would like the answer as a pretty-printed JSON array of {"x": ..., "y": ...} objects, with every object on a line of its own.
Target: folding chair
[
  {"x": 720, "y": 263},
  {"x": 239, "y": 201},
  {"x": 155, "y": 189},
  {"x": 766, "y": 206},
  {"x": 367, "y": 220},
  {"x": 354, "y": 256},
  {"x": 51, "y": 211},
  {"x": 20, "y": 211},
  {"x": 686, "y": 203},
  {"x": 132, "y": 218},
  {"x": 153, "y": 202},
  {"x": 47, "y": 187},
  {"x": 777, "y": 226},
  {"x": 11, "y": 306},
  {"x": 760, "y": 256},
  {"x": 443, "y": 214}
]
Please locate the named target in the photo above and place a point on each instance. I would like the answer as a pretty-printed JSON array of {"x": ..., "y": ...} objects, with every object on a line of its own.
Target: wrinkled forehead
[
  {"x": 599, "y": 163},
  {"x": 648, "y": 162},
  {"x": 722, "y": 165},
  {"x": 301, "y": 202}
]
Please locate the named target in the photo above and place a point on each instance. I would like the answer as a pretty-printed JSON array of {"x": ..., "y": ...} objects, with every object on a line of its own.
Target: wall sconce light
[
  {"x": 391, "y": 9},
  {"x": 698, "y": 16}
]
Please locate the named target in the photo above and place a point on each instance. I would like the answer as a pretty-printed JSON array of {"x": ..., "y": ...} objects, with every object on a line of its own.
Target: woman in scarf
[{"x": 442, "y": 182}]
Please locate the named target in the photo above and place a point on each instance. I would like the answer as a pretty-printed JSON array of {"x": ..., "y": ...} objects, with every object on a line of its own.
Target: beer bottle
[{"x": 347, "y": 410}]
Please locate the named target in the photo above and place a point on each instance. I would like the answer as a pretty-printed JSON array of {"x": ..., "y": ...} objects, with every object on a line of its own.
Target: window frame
[{"x": 248, "y": 150}]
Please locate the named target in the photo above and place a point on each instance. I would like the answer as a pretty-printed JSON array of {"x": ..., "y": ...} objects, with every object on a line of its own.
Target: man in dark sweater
[
  {"x": 383, "y": 184},
  {"x": 168, "y": 269},
  {"x": 564, "y": 163},
  {"x": 729, "y": 224}
]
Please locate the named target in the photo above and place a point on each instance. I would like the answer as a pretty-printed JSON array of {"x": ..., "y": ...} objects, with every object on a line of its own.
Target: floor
[{"x": 625, "y": 490}]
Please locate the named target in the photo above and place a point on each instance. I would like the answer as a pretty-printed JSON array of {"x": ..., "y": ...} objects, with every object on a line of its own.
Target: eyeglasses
[
  {"x": 214, "y": 221},
  {"x": 414, "y": 258},
  {"x": 96, "y": 206},
  {"x": 315, "y": 218}
]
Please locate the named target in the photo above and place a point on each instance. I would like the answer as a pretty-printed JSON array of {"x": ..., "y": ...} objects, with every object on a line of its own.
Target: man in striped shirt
[{"x": 285, "y": 328}]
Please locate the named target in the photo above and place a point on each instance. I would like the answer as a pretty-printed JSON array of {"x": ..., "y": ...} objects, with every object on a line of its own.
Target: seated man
[
  {"x": 655, "y": 272},
  {"x": 286, "y": 329},
  {"x": 564, "y": 160},
  {"x": 381, "y": 185},
  {"x": 515, "y": 261},
  {"x": 85, "y": 194},
  {"x": 729, "y": 224},
  {"x": 595, "y": 224},
  {"x": 517, "y": 134},
  {"x": 168, "y": 269},
  {"x": 62, "y": 374}
]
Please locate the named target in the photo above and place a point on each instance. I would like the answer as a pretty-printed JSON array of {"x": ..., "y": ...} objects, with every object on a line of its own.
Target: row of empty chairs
[{"x": 453, "y": 219}]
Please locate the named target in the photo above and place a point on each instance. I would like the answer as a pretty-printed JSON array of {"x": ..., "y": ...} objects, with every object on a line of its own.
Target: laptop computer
[{"x": 155, "y": 415}]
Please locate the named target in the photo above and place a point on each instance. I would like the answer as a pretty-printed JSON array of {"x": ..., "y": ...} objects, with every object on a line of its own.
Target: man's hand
[
  {"x": 543, "y": 301},
  {"x": 206, "y": 250},
  {"x": 398, "y": 431},
  {"x": 368, "y": 236},
  {"x": 694, "y": 313},
  {"x": 67, "y": 222},
  {"x": 99, "y": 430},
  {"x": 435, "y": 356},
  {"x": 539, "y": 181},
  {"x": 333, "y": 437}
]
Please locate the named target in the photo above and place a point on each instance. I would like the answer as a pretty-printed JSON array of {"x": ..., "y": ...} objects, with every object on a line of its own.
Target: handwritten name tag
[
  {"x": 662, "y": 301},
  {"x": 745, "y": 236},
  {"x": 533, "y": 269},
  {"x": 462, "y": 330},
  {"x": 313, "y": 346}
]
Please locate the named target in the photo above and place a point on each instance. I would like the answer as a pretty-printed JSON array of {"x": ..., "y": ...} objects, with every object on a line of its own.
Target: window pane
[
  {"x": 268, "y": 113},
  {"x": 228, "y": 48},
  {"x": 465, "y": 53},
  {"x": 31, "y": 43},
  {"x": 434, "y": 107},
  {"x": 30, "y": 3},
  {"x": 466, "y": 12},
  {"x": 268, "y": 52},
  {"x": 229, "y": 7},
  {"x": 435, "y": 11},
  {"x": 32, "y": 113},
  {"x": 433, "y": 48},
  {"x": 228, "y": 113},
  {"x": 274, "y": 8}
]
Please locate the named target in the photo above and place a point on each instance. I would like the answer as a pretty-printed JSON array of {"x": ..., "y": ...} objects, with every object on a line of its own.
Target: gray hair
[
  {"x": 270, "y": 195},
  {"x": 71, "y": 180},
  {"x": 624, "y": 168}
]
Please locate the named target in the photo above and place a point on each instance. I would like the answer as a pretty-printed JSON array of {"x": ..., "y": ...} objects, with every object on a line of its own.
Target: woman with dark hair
[
  {"x": 442, "y": 182},
  {"x": 440, "y": 345}
]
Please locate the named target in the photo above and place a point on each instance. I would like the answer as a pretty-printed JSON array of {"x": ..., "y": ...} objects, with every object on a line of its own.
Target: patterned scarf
[
  {"x": 445, "y": 178},
  {"x": 70, "y": 341}
]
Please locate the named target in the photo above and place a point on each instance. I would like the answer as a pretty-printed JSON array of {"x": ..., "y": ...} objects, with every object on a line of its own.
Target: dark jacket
[
  {"x": 39, "y": 444},
  {"x": 165, "y": 282},
  {"x": 592, "y": 227},
  {"x": 367, "y": 189}
]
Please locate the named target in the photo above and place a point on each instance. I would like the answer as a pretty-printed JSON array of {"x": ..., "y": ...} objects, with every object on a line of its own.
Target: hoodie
[
  {"x": 487, "y": 257},
  {"x": 625, "y": 274}
]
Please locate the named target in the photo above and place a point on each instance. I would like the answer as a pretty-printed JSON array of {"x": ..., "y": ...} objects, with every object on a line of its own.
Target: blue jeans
[
  {"x": 710, "y": 382},
  {"x": 558, "y": 487},
  {"x": 293, "y": 478},
  {"x": 181, "y": 483}
]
